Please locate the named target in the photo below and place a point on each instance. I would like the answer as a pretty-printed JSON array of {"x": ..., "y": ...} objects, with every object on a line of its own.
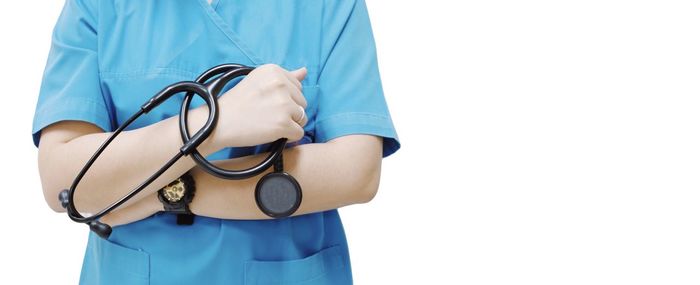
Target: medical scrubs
[{"x": 108, "y": 57}]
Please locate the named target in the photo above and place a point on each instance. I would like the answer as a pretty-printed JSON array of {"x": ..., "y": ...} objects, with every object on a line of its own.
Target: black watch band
[{"x": 176, "y": 209}]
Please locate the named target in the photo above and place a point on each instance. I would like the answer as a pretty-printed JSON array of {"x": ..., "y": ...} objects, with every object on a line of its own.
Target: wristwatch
[{"x": 176, "y": 197}]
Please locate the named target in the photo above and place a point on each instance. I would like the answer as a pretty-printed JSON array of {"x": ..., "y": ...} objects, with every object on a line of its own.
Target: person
[{"x": 316, "y": 82}]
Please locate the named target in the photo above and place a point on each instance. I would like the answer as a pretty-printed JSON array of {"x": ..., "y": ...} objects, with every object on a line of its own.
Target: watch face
[{"x": 174, "y": 193}]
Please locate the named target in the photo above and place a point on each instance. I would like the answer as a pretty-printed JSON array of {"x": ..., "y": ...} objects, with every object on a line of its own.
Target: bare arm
[
  {"x": 341, "y": 172},
  {"x": 268, "y": 99},
  {"x": 134, "y": 155}
]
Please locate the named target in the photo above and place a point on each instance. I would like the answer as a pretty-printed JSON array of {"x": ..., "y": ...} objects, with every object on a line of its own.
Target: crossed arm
[{"x": 340, "y": 172}]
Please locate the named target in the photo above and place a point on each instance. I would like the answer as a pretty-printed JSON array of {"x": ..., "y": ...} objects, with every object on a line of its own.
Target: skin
[{"x": 340, "y": 172}]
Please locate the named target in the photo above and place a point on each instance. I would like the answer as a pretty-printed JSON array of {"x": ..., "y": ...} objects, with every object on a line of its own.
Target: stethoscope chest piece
[{"x": 277, "y": 193}]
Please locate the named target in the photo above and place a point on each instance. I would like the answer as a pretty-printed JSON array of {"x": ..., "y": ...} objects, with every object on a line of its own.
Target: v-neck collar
[
  {"x": 214, "y": 4},
  {"x": 228, "y": 31}
]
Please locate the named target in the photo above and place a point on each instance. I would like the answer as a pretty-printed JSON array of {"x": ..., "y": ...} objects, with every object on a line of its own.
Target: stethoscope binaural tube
[{"x": 207, "y": 90}]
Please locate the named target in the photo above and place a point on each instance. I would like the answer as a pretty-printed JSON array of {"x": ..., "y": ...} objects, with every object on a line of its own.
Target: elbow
[
  {"x": 51, "y": 198},
  {"x": 56, "y": 164},
  {"x": 54, "y": 179},
  {"x": 363, "y": 157},
  {"x": 56, "y": 207},
  {"x": 49, "y": 187},
  {"x": 367, "y": 193}
]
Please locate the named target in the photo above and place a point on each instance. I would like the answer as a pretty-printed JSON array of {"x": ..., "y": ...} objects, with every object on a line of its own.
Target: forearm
[
  {"x": 331, "y": 176},
  {"x": 131, "y": 157}
]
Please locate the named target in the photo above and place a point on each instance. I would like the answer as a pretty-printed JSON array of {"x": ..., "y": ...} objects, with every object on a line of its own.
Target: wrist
[
  {"x": 154, "y": 203},
  {"x": 197, "y": 119}
]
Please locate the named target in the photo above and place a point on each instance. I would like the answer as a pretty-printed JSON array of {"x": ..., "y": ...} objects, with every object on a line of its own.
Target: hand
[{"x": 262, "y": 108}]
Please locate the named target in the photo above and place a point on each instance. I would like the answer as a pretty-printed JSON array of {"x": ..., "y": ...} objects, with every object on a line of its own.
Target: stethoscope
[{"x": 277, "y": 194}]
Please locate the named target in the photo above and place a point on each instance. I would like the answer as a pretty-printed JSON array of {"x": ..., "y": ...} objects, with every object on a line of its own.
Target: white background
[{"x": 543, "y": 142}]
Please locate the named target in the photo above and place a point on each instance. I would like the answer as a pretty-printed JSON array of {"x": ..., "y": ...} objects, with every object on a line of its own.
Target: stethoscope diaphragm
[{"x": 278, "y": 194}]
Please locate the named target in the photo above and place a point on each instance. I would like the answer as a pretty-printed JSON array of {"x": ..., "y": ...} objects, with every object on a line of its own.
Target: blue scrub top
[{"x": 109, "y": 57}]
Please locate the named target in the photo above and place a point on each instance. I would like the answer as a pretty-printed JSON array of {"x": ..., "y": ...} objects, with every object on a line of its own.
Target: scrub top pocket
[
  {"x": 327, "y": 266},
  {"x": 107, "y": 262}
]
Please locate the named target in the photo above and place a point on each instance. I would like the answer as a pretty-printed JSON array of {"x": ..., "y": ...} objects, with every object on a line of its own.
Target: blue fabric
[{"x": 109, "y": 57}]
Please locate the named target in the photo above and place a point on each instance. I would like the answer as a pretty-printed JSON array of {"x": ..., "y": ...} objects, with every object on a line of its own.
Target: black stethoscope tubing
[{"x": 207, "y": 90}]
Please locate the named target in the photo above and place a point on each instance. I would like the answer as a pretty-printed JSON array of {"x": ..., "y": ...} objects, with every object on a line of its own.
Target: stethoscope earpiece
[
  {"x": 101, "y": 229},
  {"x": 63, "y": 197}
]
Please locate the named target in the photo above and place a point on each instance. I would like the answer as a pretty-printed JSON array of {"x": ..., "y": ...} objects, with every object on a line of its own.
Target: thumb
[{"x": 299, "y": 74}]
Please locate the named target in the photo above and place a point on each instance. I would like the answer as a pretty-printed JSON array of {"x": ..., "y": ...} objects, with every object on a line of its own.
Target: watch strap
[
  {"x": 176, "y": 209},
  {"x": 185, "y": 219}
]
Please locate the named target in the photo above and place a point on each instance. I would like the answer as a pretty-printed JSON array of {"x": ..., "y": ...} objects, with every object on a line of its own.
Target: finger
[
  {"x": 305, "y": 120},
  {"x": 293, "y": 93},
  {"x": 299, "y": 73},
  {"x": 296, "y": 76},
  {"x": 300, "y": 117},
  {"x": 294, "y": 112},
  {"x": 297, "y": 114},
  {"x": 298, "y": 97},
  {"x": 296, "y": 83},
  {"x": 296, "y": 132}
]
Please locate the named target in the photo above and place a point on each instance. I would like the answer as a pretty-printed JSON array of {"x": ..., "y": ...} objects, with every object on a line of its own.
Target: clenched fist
[{"x": 265, "y": 106}]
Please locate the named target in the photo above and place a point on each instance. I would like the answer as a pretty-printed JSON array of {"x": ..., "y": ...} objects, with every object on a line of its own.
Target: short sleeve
[
  {"x": 70, "y": 87},
  {"x": 351, "y": 99}
]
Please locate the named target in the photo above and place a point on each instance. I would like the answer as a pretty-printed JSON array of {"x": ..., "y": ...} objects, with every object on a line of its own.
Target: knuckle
[
  {"x": 267, "y": 66},
  {"x": 257, "y": 70},
  {"x": 277, "y": 82},
  {"x": 280, "y": 101},
  {"x": 266, "y": 69},
  {"x": 274, "y": 68}
]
